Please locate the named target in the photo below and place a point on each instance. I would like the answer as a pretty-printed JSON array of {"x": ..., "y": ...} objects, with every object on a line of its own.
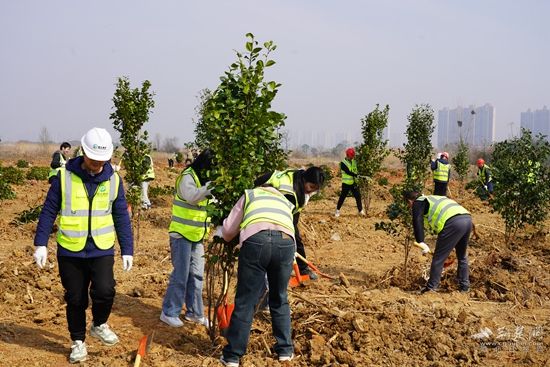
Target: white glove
[
  {"x": 40, "y": 256},
  {"x": 485, "y": 187},
  {"x": 208, "y": 188},
  {"x": 218, "y": 232},
  {"x": 127, "y": 261},
  {"x": 422, "y": 245}
]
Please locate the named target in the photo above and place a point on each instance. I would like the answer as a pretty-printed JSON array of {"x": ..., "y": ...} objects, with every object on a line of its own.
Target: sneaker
[
  {"x": 464, "y": 289},
  {"x": 426, "y": 290},
  {"x": 286, "y": 358},
  {"x": 78, "y": 352},
  {"x": 312, "y": 275},
  {"x": 336, "y": 213},
  {"x": 104, "y": 333},
  {"x": 171, "y": 321},
  {"x": 227, "y": 363},
  {"x": 362, "y": 212},
  {"x": 198, "y": 320}
]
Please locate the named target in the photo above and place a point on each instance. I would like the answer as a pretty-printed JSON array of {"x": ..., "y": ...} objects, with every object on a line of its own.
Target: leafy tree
[
  {"x": 461, "y": 161},
  {"x": 132, "y": 108},
  {"x": 372, "y": 151},
  {"x": 416, "y": 158},
  {"x": 521, "y": 175},
  {"x": 237, "y": 123}
]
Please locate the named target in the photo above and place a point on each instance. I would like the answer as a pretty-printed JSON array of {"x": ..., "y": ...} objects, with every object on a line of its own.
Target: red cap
[
  {"x": 480, "y": 162},
  {"x": 445, "y": 154},
  {"x": 350, "y": 153}
]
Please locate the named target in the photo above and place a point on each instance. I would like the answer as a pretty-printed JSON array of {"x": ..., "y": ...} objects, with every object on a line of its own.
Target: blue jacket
[{"x": 52, "y": 205}]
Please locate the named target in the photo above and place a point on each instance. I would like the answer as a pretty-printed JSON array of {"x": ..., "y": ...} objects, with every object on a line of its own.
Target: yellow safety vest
[
  {"x": 190, "y": 221},
  {"x": 441, "y": 209},
  {"x": 284, "y": 182},
  {"x": 262, "y": 205},
  {"x": 78, "y": 219},
  {"x": 53, "y": 171},
  {"x": 150, "y": 174},
  {"x": 441, "y": 173},
  {"x": 352, "y": 166},
  {"x": 481, "y": 173}
]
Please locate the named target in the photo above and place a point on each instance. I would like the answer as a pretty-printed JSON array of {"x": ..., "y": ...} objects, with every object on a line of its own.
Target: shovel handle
[{"x": 313, "y": 267}]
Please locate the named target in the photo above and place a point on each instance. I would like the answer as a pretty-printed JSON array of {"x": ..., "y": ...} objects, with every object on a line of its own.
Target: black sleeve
[
  {"x": 262, "y": 179},
  {"x": 345, "y": 168},
  {"x": 418, "y": 209},
  {"x": 56, "y": 160}
]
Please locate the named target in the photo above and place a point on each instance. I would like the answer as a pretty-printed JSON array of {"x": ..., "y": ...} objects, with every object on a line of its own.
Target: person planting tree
[
  {"x": 89, "y": 199},
  {"x": 484, "y": 175},
  {"x": 263, "y": 220},
  {"x": 348, "y": 168},
  {"x": 297, "y": 186},
  {"x": 453, "y": 225},
  {"x": 188, "y": 228},
  {"x": 441, "y": 173}
]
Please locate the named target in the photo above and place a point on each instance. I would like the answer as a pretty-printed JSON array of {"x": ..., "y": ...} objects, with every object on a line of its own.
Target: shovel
[
  {"x": 298, "y": 278},
  {"x": 313, "y": 267},
  {"x": 143, "y": 348},
  {"x": 224, "y": 310},
  {"x": 448, "y": 261}
]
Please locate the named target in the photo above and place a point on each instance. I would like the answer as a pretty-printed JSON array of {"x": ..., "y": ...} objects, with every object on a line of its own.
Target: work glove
[
  {"x": 218, "y": 232},
  {"x": 40, "y": 256},
  {"x": 127, "y": 262},
  {"x": 485, "y": 187},
  {"x": 422, "y": 245}
]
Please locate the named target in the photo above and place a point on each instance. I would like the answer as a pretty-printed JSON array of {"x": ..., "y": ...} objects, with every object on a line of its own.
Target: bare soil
[{"x": 378, "y": 320}]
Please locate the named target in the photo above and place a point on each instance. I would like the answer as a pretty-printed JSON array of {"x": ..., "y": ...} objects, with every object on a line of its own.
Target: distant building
[
  {"x": 537, "y": 121},
  {"x": 476, "y": 125}
]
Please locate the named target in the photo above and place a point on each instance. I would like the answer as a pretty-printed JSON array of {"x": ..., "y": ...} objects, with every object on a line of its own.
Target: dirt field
[{"x": 379, "y": 320}]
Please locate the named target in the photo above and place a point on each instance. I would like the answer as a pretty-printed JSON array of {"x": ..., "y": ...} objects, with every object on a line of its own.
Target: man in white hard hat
[{"x": 89, "y": 199}]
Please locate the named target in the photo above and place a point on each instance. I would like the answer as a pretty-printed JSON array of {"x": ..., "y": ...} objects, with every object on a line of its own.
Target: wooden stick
[{"x": 266, "y": 346}]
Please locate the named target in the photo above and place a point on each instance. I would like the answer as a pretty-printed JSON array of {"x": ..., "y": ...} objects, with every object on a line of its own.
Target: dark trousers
[
  {"x": 455, "y": 235},
  {"x": 266, "y": 252},
  {"x": 440, "y": 188},
  {"x": 77, "y": 276},
  {"x": 356, "y": 194}
]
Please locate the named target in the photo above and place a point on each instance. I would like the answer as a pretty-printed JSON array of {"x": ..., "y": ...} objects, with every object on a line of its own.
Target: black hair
[
  {"x": 64, "y": 145},
  {"x": 411, "y": 195},
  {"x": 313, "y": 175},
  {"x": 201, "y": 164}
]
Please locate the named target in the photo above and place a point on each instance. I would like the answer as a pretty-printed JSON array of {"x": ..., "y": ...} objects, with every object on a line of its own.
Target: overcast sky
[{"x": 335, "y": 59}]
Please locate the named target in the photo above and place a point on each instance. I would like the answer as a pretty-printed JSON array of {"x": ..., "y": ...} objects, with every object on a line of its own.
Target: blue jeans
[
  {"x": 186, "y": 278},
  {"x": 268, "y": 252}
]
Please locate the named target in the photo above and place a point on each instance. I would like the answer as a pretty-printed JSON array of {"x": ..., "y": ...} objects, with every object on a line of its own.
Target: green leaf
[
  {"x": 249, "y": 46},
  {"x": 269, "y": 63}
]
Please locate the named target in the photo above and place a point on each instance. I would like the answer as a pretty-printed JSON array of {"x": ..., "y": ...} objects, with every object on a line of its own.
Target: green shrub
[
  {"x": 156, "y": 191},
  {"x": 22, "y": 163},
  {"x": 6, "y": 191},
  {"x": 12, "y": 175},
  {"x": 38, "y": 173},
  {"x": 383, "y": 181},
  {"x": 28, "y": 215}
]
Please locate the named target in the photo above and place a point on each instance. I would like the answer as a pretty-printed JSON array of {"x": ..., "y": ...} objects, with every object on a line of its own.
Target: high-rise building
[
  {"x": 476, "y": 126},
  {"x": 537, "y": 121}
]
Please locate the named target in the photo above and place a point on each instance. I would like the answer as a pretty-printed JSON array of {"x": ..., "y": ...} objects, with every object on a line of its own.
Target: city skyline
[{"x": 474, "y": 124}]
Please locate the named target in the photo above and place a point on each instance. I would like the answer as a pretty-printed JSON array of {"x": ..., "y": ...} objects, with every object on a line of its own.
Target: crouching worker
[
  {"x": 453, "y": 224},
  {"x": 89, "y": 198},
  {"x": 263, "y": 218}
]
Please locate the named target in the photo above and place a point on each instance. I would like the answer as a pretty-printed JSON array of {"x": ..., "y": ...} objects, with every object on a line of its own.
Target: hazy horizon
[{"x": 335, "y": 60}]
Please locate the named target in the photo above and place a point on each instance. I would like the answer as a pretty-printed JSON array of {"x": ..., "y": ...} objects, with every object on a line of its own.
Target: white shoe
[
  {"x": 228, "y": 364},
  {"x": 362, "y": 212},
  {"x": 172, "y": 321},
  {"x": 78, "y": 352},
  {"x": 198, "y": 320},
  {"x": 104, "y": 333},
  {"x": 337, "y": 213},
  {"x": 286, "y": 358}
]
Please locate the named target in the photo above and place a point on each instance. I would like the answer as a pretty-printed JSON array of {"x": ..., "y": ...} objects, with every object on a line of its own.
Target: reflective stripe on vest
[
  {"x": 352, "y": 167},
  {"x": 78, "y": 220},
  {"x": 265, "y": 206},
  {"x": 190, "y": 221},
  {"x": 441, "y": 208},
  {"x": 441, "y": 173},
  {"x": 284, "y": 182},
  {"x": 150, "y": 174},
  {"x": 53, "y": 171}
]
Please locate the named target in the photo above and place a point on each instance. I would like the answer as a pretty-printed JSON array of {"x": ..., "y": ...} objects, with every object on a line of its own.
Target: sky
[{"x": 336, "y": 60}]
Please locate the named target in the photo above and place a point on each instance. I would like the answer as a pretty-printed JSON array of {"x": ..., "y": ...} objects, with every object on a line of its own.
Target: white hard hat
[{"x": 97, "y": 144}]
